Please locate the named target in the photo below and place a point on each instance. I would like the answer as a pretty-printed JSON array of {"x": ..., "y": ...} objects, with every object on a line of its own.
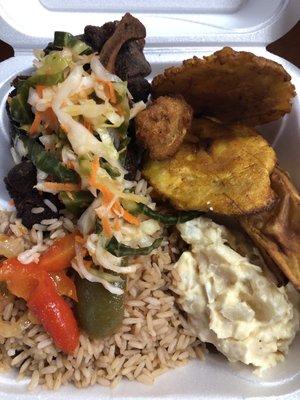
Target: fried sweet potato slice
[
  {"x": 162, "y": 126},
  {"x": 231, "y": 86},
  {"x": 229, "y": 177},
  {"x": 276, "y": 232}
]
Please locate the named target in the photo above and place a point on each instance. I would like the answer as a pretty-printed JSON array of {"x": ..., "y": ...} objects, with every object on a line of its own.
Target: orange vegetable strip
[
  {"x": 117, "y": 224},
  {"x": 131, "y": 218},
  {"x": 50, "y": 119},
  {"x": 79, "y": 239},
  {"x": 36, "y": 123},
  {"x": 87, "y": 124},
  {"x": 108, "y": 197},
  {"x": 112, "y": 94},
  {"x": 106, "y": 226},
  {"x": 61, "y": 187},
  {"x": 39, "y": 89}
]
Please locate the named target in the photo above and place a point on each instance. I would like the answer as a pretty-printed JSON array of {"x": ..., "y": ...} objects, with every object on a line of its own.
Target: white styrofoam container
[{"x": 176, "y": 30}]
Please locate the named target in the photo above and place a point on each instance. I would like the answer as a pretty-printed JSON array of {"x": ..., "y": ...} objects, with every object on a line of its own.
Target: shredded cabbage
[
  {"x": 101, "y": 72},
  {"x": 79, "y": 266}
]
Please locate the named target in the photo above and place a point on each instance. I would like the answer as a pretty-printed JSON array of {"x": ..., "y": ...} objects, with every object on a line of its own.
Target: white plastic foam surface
[{"x": 214, "y": 378}]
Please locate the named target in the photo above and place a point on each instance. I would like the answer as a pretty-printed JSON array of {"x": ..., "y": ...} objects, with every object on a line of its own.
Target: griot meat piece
[
  {"x": 276, "y": 231},
  {"x": 129, "y": 28},
  {"x": 121, "y": 45},
  {"x": 20, "y": 183}
]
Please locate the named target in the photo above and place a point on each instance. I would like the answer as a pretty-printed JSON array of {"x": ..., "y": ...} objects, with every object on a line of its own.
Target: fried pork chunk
[
  {"x": 228, "y": 175},
  {"x": 162, "y": 126},
  {"x": 231, "y": 86},
  {"x": 276, "y": 232}
]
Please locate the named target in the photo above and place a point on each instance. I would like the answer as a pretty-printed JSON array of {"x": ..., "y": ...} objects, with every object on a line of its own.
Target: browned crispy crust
[
  {"x": 231, "y": 86},
  {"x": 276, "y": 231},
  {"x": 230, "y": 176},
  {"x": 162, "y": 126}
]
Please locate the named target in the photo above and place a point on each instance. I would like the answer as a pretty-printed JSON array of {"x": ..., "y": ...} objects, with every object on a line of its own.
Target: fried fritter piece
[
  {"x": 162, "y": 126},
  {"x": 231, "y": 86},
  {"x": 276, "y": 232},
  {"x": 230, "y": 177}
]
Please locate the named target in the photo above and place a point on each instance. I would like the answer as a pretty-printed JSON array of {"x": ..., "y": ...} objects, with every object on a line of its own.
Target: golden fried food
[
  {"x": 231, "y": 86},
  {"x": 162, "y": 126},
  {"x": 230, "y": 177},
  {"x": 205, "y": 128},
  {"x": 276, "y": 231}
]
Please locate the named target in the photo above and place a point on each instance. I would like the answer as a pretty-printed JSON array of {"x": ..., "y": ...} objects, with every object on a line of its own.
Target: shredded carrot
[
  {"x": 119, "y": 210},
  {"x": 87, "y": 263},
  {"x": 112, "y": 94},
  {"x": 79, "y": 239},
  {"x": 108, "y": 197},
  {"x": 93, "y": 176},
  {"x": 70, "y": 164},
  {"x": 61, "y": 187},
  {"x": 117, "y": 224},
  {"x": 39, "y": 89},
  {"x": 106, "y": 193},
  {"x": 87, "y": 124},
  {"x": 119, "y": 109},
  {"x": 50, "y": 119},
  {"x": 109, "y": 90},
  {"x": 131, "y": 218},
  {"x": 36, "y": 123},
  {"x": 106, "y": 226}
]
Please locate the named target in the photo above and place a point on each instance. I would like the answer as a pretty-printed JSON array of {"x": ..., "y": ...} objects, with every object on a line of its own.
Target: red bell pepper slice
[
  {"x": 22, "y": 278},
  {"x": 59, "y": 255},
  {"x": 54, "y": 314},
  {"x": 64, "y": 285}
]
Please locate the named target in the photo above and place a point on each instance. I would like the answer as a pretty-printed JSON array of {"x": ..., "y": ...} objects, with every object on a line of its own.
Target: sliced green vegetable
[
  {"x": 85, "y": 164},
  {"x": 99, "y": 312},
  {"x": 19, "y": 107},
  {"x": 46, "y": 80},
  {"x": 113, "y": 172},
  {"x": 120, "y": 249},
  {"x": 76, "y": 202},
  {"x": 48, "y": 162},
  {"x": 98, "y": 227},
  {"x": 65, "y": 39},
  {"x": 52, "y": 64},
  {"x": 179, "y": 217}
]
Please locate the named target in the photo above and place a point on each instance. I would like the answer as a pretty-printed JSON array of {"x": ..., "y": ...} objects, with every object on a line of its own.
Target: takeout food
[
  {"x": 95, "y": 275},
  {"x": 232, "y": 86},
  {"x": 277, "y": 231},
  {"x": 163, "y": 126},
  {"x": 230, "y": 175},
  {"x": 230, "y": 302}
]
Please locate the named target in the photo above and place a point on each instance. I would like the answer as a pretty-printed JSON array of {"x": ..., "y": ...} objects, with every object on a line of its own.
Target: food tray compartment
[
  {"x": 214, "y": 378},
  {"x": 174, "y": 32}
]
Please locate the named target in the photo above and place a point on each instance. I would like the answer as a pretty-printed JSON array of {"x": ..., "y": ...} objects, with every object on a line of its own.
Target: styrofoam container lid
[{"x": 176, "y": 30}]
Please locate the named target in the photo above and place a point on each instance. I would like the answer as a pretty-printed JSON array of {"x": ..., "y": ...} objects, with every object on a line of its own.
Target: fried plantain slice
[
  {"x": 229, "y": 177},
  {"x": 204, "y": 129},
  {"x": 231, "y": 86},
  {"x": 276, "y": 232}
]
